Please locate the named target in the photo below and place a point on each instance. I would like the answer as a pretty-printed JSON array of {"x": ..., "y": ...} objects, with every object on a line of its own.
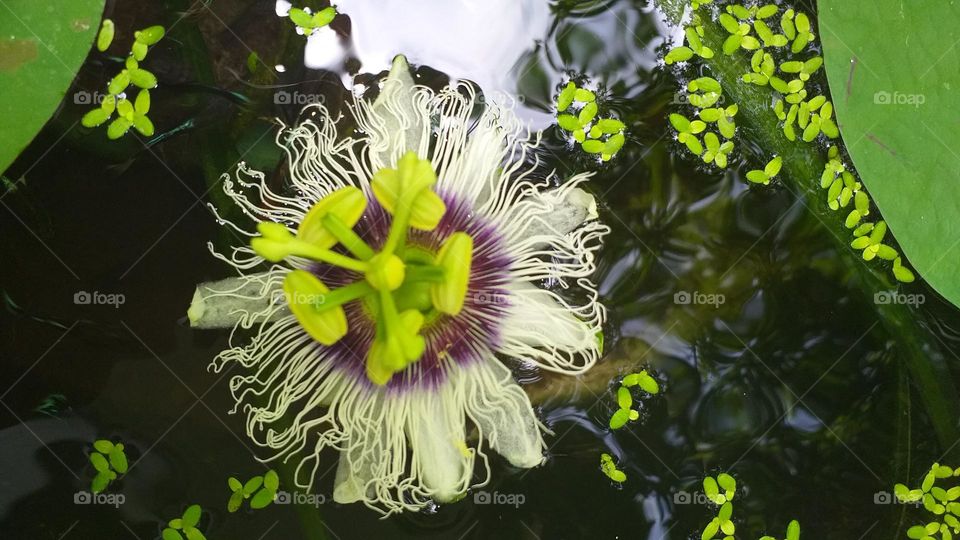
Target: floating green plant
[
  {"x": 625, "y": 412},
  {"x": 703, "y": 94},
  {"x": 308, "y": 22},
  {"x": 937, "y": 500},
  {"x": 110, "y": 462},
  {"x": 128, "y": 114},
  {"x": 776, "y": 61},
  {"x": 720, "y": 491},
  {"x": 609, "y": 468},
  {"x": 105, "y": 36},
  {"x": 601, "y": 136},
  {"x": 261, "y": 490},
  {"x": 185, "y": 526}
]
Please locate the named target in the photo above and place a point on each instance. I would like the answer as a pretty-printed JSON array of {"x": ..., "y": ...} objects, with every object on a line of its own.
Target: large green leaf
[
  {"x": 894, "y": 72},
  {"x": 42, "y": 46}
]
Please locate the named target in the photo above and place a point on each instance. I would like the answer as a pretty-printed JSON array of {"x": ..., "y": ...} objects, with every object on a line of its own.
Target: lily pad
[
  {"x": 42, "y": 46},
  {"x": 896, "y": 101}
]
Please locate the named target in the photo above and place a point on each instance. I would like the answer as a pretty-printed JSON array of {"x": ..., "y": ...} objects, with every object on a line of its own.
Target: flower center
[{"x": 401, "y": 284}]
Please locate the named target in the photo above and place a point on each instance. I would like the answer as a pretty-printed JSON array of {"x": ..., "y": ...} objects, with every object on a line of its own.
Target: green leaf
[
  {"x": 324, "y": 17},
  {"x": 711, "y": 529},
  {"x": 42, "y": 47},
  {"x": 271, "y": 481},
  {"x": 194, "y": 534},
  {"x": 143, "y": 125},
  {"x": 587, "y": 113},
  {"x": 648, "y": 384},
  {"x": 252, "y": 485},
  {"x": 793, "y": 530},
  {"x": 301, "y": 18},
  {"x": 565, "y": 99},
  {"x": 593, "y": 146},
  {"x": 105, "y": 37},
  {"x": 103, "y": 446},
  {"x": 118, "y": 460},
  {"x": 235, "y": 501},
  {"x": 758, "y": 177},
  {"x": 94, "y": 118},
  {"x": 728, "y": 483},
  {"x": 150, "y": 35},
  {"x": 191, "y": 516},
  {"x": 896, "y": 105},
  {"x": 100, "y": 482},
  {"x": 171, "y": 534},
  {"x": 99, "y": 462},
  {"x": 619, "y": 418},
  {"x": 118, "y": 128},
  {"x": 138, "y": 50},
  {"x": 568, "y": 122},
  {"x": 142, "y": 78},
  {"x": 119, "y": 83},
  {"x": 142, "y": 103},
  {"x": 624, "y": 399},
  {"x": 262, "y": 499}
]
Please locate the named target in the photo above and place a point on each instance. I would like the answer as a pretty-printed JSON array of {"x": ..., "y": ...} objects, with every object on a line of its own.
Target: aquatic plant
[
  {"x": 775, "y": 61},
  {"x": 939, "y": 501},
  {"x": 626, "y": 413},
  {"x": 261, "y": 490},
  {"x": 128, "y": 114},
  {"x": 185, "y": 526},
  {"x": 307, "y": 22},
  {"x": 609, "y": 468},
  {"x": 720, "y": 491},
  {"x": 110, "y": 462},
  {"x": 601, "y": 136},
  {"x": 384, "y": 347}
]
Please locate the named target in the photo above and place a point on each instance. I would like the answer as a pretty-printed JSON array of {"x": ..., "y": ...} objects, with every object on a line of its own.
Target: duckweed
[{"x": 600, "y": 136}]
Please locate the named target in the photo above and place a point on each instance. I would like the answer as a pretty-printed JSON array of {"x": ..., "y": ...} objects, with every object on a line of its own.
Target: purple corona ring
[{"x": 403, "y": 440}]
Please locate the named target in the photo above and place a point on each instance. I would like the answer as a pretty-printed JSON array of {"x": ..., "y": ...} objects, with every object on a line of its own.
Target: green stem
[
  {"x": 347, "y": 293},
  {"x": 424, "y": 273},
  {"x": 346, "y": 236},
  {"x": 401, "y": 218},
  {"x": 802, "y": 166},
  {"x": 305, "y": 249}
]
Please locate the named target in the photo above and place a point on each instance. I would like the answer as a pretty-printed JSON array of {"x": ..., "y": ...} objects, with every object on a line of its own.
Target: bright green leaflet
[
  {"x": 41, "y": 50},
  {"x": 893, "y": 100}
]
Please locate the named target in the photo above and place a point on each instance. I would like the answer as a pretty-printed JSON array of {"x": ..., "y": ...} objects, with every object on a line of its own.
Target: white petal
[
  {"x": 543, "y": 328},
  {"x": 399, "y": 119},
  {"x": 227, "y": 302},
  {"x": 503, "y": 414},
  {"x": 437, "y": 439}
]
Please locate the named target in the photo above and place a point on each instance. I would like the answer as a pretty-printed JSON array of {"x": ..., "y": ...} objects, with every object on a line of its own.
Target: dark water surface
[{"x": 790, "y": 384}]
